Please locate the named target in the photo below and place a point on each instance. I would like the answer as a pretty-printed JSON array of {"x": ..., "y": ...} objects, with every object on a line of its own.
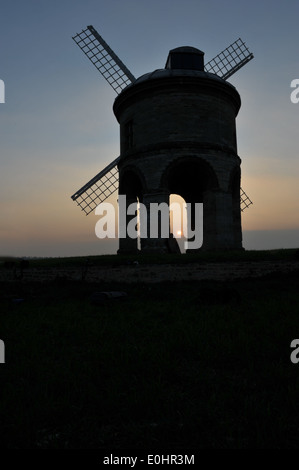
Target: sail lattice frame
[
  {"x": 104, "y": 59},
  {"x": 245, "y": 201},
  {"x": 98, "y": 189},
  {"x": 230, "y": 60}
]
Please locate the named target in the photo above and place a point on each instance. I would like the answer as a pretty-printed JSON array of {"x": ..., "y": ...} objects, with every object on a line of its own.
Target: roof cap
[{"x": 185, "y": 58}]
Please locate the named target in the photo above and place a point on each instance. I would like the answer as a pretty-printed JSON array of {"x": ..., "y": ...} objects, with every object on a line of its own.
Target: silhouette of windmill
[{"x": 183, "y": 64}]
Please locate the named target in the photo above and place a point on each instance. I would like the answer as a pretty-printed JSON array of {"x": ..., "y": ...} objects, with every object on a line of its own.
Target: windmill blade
[
  {"x": 230, "y": 60},
  {"x": 244, "y": 200},
  {"x": 99, "y": 188},
  {"x": 104, "y": 59}
]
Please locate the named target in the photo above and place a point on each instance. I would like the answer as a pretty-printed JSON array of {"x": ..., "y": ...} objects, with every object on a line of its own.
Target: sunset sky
[{"x": 58, "y": 129}]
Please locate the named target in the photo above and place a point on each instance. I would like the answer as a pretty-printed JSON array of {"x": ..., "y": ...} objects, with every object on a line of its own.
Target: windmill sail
[
  {"x": 104, "y": 59},
  {"x": 99, "y": 188},
  {"x": 229, "y": 60},
  {"x": 245, "y": 202}
]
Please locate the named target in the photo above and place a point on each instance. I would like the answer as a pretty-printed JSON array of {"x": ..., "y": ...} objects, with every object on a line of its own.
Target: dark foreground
[{"x": 198, "y": 364}]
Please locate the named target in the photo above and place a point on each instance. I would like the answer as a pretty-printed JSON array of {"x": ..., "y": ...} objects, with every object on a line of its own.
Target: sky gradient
[{"x": 58, "y": 129}]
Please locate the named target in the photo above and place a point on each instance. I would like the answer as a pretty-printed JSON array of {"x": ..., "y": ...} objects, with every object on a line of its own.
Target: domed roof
[
  {"x": 187, "y": 49},
  {"x": 184, "y": 61},
  {"x": 165, "y": 73}
]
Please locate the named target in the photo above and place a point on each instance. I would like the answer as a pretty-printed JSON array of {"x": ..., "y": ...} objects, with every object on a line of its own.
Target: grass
[{"x": 175, "y": 365}]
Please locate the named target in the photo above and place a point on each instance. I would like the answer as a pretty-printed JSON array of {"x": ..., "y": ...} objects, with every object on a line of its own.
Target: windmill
[{"x": 224, "y": 65}]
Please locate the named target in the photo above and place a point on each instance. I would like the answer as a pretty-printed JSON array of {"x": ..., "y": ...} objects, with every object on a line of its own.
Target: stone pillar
[
  {"x": 127, "y": 245},
  {"x": 191, "y": 226},
  {"x": 237, "y": 224},
  {"x": 195, "y": 225},
  {"x": 218, "y": 227},
  {"x": 154, "y": 225}
]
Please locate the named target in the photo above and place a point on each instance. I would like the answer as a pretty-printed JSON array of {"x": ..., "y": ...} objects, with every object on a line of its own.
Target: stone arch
[
  {"x": 132, "y": 183},
  {"x": 195, "y": 180},
  {"x": 189, "y": 177}
]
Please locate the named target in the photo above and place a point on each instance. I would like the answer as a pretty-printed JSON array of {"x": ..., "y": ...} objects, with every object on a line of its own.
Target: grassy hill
[{"x": 172, "y": 365}]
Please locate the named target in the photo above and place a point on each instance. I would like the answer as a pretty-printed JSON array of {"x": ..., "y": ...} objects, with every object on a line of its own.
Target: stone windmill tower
[{"x": 178, "y": 136}]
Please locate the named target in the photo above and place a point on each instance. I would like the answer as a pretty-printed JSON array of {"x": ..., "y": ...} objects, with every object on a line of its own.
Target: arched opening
[
  {"x": 178, "y": 216},
  {"x": 131, "y": 190},
  {"x": 193, "y": 179},
  {"x": 131, "y": 184}
]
